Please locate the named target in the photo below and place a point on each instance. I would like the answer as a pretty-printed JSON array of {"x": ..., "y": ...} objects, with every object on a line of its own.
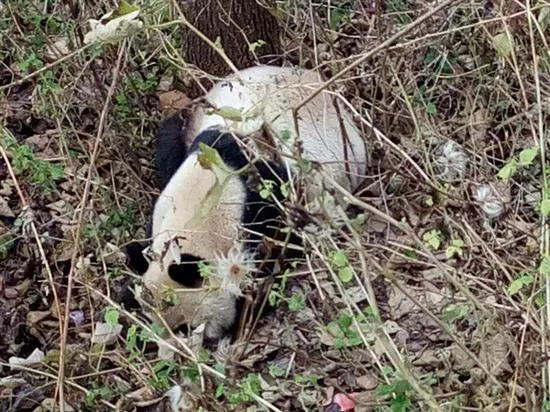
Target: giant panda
[{"x": 198, "y": 220}]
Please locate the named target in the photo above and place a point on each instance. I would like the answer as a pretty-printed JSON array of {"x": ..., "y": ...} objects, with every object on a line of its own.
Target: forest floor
[{"x": 438, "y": 298}]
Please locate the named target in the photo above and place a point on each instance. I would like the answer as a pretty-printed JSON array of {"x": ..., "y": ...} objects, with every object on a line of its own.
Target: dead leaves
[{"x": 173, "y": 101}]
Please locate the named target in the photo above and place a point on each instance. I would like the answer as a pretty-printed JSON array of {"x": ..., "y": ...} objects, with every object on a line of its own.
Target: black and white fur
[{"x": 183, "y": 233}]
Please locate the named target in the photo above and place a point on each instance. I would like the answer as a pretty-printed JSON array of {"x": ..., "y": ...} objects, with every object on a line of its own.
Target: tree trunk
[{"x": 237, "y": 24}]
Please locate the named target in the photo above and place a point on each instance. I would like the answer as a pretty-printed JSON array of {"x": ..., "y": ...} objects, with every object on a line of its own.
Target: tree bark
[{"x": 237, "y": 24}]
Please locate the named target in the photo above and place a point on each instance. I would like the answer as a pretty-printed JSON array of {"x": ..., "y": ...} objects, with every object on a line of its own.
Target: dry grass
[{"x": 448, "y": 305}]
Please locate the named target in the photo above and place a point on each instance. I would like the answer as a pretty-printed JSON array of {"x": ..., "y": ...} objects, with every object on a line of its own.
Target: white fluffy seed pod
[
  {"x": 233, "y": 269},
  {"x": 452, "y": 163},
  {"x": 489, "y": 201}
]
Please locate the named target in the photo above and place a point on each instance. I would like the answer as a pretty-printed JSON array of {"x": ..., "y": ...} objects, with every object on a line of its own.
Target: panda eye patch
[{"x": 187, "y": 272}]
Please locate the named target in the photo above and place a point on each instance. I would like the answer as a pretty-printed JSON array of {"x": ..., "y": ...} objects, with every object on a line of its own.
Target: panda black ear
[
  {"x": 136, "y": 260},
  {"x": 171, "y": 148},
  {"x": 186, "y": 273}
]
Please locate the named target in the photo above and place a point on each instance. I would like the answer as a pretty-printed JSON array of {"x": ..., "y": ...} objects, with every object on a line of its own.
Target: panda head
[{"x": 201, "y": 226}]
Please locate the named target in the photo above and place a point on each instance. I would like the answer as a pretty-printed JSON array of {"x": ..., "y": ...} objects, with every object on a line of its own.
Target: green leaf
[
  {"x": 455, "y": 249},
  {"x": 339, "y": 259},
  {"x": 431, "y": 109},
  {"x": 358, "y": 222},
  {"x": 266, "y": 188},
  {"x": 544, "y": 21},
  {"x": 285, "y": 189},
  {"x": 124, "y": 8},
  {"x": 345, "y": 321},
  {"x": 454, "y": 312},
  {"x": 519, "y": 283},
  {"x": 276, "y": 370},
  {"x": 452, "y": 251},
  {"x": 111, "y": 317},
  {"x": 338, "y": 16},
  {"x": 545, "y": 207},
  {"x": 131, "y": 338},
  {"x": 429, "y": 201},
  {"x": 229, "y": 113},
  {"x": 432, "y": 238},
  {"x": 345, "y": 274},
  {"x": 285, "y": 135},
  {"x": 210, "y": 159},
  {"x": 503, "y": 44},
  {"x": 297, "y": 302},
  {"x": 527, "y": 156},
  {"x": 220, "y": 391},
  {"x": 544, "y": 268},
  {"x": 508, "y": 170}
]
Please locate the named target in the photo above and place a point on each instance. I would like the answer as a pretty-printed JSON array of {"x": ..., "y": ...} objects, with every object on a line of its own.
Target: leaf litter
[{"x": 414, "y": 317}]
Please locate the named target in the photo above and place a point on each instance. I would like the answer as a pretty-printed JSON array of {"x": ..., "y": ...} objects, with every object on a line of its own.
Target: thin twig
[
  {"x": 37, "y": 239},
  {"x": 385, "y": 44},
  {"x": 45, "y": 68},
  {"x": 80, "y": 221}
]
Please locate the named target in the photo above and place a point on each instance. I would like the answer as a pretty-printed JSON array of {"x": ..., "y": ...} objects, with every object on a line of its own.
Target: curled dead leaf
[
  {"x": 5, "y": 210},
  {"x": 173, "y": 101},
  {"x": 35, "y": 357}
]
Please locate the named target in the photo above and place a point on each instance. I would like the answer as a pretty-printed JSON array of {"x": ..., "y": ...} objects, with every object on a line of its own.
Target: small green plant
[
  {"x": 439, "y": 62},
  {"x": 525, "y": 159},
  {"x": 432, "y": 239},
  {"x": 285, "y": 189},
  {"x": 431, "y": 109},
  {"x": 147, "y": 336},
  {"x": 111, "y": 317},
  {"x": 340, "y": 14},
  {"x": 454, "y": 312},
  {"x": 297, "y": 302},
  {"x": 31, "y": 62},
  {"x": 344, "y": 332},
  {"x": 143, "y": 84},
  {"x": 455, "y": 249},
  {"x": 98, "y": 392},
  {"x": 123, "y": 108},
  {"x": 358, "y": 222},
  {"x": 410, "y": 253},
  {"x": 6, "y": 243},
  {"x": 119, "y": 221},
  {"x": 309, "y": 379},
  {"x": 276, "y": 370},
  {"x": 266, "y": 188},
  {"x": 37, "y": 171},
  {"x": 136, "y": 337},
  {"x": 169, "y": 296},
  {"x": 221, "y": 390},
  {"x": 276, "y": 296},
  {"x": 399, "y": 391},
  {"x": 524, "y": 279},
  {"x": 339, "y": 261},
  {"x": 48, "y": 83},
  {"x": 544, "y": 268},
  {"x": 132, "y": 341},
  {"x": 205, "y": 269},
  {"x": 429, "y": 201},
  {"x": 191, "y": 372},
  {"x": 285, "y": 135},
  {"x": 162, "y": 372},
  {"x": 248, "y": 388}
]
